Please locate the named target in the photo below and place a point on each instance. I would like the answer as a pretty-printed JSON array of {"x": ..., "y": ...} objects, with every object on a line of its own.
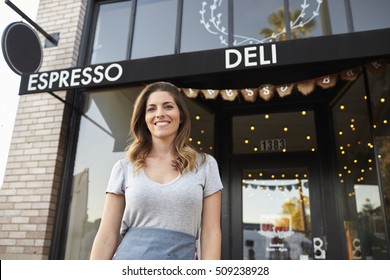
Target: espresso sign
[{"x": 75, "y": 77}]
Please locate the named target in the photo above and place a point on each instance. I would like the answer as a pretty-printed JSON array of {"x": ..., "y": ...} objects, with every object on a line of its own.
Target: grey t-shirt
[{"x": 176, "y": 205}]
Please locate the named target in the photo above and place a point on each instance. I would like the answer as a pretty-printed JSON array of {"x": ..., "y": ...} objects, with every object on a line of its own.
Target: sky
[{"x": 10, "y": 81}]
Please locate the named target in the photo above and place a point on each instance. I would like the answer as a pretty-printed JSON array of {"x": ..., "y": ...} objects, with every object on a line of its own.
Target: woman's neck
[{"x": 162, "y": 149}]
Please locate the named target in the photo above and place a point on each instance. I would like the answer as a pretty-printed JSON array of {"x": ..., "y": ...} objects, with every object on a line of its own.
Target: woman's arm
[
  {"x": 210, "y": 236},
  {"x": 107, "y": 237}
]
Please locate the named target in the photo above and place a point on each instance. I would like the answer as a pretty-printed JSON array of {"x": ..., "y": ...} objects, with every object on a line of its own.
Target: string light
[
  {"x": 342, "y": 107},
  {"x": 266, "y": 116},
  {"x": 308, "y": 137},
  {"x": 197, "y": 117},
  {"x": 252, "y": 128},
  {"x": 303, "y": 113},
  {"x": 285, "y": 128},
  {"x": 383, "y": 100}
]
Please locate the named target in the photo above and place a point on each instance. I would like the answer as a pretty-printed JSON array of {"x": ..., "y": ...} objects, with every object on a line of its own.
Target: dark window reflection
[
  {"x": 112, "y": 32},
  {"x": 370, "y": 15},
  {"x": 155, "y": 28},
  {"x": 379, "y": 82},
  {"x": 363, "y": 220}
]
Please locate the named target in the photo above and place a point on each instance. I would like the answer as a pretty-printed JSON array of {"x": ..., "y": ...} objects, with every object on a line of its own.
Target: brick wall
[{"x": 29, "y": 194}]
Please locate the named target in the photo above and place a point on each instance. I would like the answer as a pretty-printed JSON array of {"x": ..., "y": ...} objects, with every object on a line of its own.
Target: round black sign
[{"x": 21, "y": 48}]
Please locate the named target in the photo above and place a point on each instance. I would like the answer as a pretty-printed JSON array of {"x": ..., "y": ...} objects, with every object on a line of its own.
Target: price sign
[{"x": 273, "y": 144}]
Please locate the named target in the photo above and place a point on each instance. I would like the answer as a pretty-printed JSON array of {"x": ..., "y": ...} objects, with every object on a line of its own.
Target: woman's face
[{"x": 162, "y": 115}]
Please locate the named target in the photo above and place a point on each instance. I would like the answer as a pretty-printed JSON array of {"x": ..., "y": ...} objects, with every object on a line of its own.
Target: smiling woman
[{"x": 161, "y": 195}]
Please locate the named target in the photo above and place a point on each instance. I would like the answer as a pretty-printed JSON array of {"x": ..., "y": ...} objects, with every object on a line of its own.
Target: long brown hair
[{"x": 141, "y": 138}]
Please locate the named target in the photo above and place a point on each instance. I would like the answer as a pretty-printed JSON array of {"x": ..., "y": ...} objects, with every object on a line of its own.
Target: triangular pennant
[
  {"x": 376, "y": 67},
  {"x": 326, "y": 82},
  {"x": 306, "y": 87},
  {"x": 351, "y": 74},
  {"x": 190, "y": 92},
  {"x": 285, "y": 90},
  {"x": 210, "y": 93},
  {"x": 249, "y": 94},
  {"x": 229, "y": 94},
  {"x": 266, "y": 92}
]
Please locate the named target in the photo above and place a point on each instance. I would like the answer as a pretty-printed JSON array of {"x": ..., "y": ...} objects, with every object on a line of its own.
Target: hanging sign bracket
[{"x": 52, "y": 38}]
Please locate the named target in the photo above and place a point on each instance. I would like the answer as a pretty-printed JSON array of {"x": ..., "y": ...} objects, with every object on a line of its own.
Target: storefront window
[
  {"x": 357, "y": 175},
  {"x": 257, "y": 21},
  {"x": 108, "y": 45},
  {"x": 102, "y": 141},
  {"x": 204, "y": 25},
  {"x": 370, "y": 15},
  {"x": 103, "y": 138},
  {"x": 155, "y": 28},
  {"x": 379, "y": 84}
]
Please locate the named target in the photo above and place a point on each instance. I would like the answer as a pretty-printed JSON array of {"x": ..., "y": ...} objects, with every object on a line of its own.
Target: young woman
[{"x": 164, "y": 195}]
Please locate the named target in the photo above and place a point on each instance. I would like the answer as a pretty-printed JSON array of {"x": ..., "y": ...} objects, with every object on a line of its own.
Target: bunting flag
[
  {"x": 229, "y": 94},
  {"x": 326, "y": 82},
  {"x": 210, "y": 93},
  {"x": 250, "y": 94},
  {"x": 306, "y": 87},
  {"x": 191, "y": 93},
  {"x": 350, "y": 74},
  {"x": 285, "y": 90},
  {"x": 377, "y": 67},
  {"x": 267, "y": 91}
]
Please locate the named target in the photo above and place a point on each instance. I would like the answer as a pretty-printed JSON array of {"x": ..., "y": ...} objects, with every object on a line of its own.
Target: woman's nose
[{"x": 159, "y": 112}]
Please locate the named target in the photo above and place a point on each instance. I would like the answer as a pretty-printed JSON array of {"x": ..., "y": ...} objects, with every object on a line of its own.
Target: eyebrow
[{"x": 165, "y": 103}]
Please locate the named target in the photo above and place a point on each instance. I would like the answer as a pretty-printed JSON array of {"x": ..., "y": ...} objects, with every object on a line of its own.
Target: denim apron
[{"x": 156, "y": 244}]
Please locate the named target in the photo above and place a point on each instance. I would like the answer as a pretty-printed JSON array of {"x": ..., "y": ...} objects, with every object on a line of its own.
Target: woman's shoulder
[
  {"x": 123, "y": 163},
  {"x": 204, "y": 159}
]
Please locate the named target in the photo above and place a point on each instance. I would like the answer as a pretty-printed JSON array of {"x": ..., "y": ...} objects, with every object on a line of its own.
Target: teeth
[{"x": 162, "y": 123}]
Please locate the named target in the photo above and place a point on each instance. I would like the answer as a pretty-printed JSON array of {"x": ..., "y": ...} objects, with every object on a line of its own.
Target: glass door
[
  {"x": 277, "y": 208},
  {"x": 275, "y": 188}
]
